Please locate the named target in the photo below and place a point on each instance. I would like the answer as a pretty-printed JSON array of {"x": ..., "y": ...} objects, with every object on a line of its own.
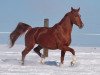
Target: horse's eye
[{"x": 76, "y": 15}]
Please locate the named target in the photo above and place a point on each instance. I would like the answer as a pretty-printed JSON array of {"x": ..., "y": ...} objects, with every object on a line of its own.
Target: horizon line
[
  {"x": 5, "y": 32},
  {"x": 83, "y": 34}
]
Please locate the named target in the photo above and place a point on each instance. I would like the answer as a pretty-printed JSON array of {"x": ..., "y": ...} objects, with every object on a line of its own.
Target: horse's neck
[{"x": 66, "y": 25}]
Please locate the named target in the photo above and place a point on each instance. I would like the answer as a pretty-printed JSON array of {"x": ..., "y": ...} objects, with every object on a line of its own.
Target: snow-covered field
[{"x": 88, "y": 62}]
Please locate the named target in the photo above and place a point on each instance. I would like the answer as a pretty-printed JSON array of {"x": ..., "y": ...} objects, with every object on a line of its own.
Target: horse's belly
[{"x": 47, "y": 41}]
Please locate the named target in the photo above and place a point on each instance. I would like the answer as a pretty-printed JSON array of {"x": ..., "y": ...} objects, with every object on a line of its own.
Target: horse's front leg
[
  {"x": 73, "y": 60},
  {"x": 73, "y": 57},
  {"x": 63, "y": 51},
  {"x": 62, "y": 57}
]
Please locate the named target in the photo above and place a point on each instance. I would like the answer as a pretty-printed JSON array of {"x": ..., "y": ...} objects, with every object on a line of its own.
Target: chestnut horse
[{"x": 56, "y": 37}]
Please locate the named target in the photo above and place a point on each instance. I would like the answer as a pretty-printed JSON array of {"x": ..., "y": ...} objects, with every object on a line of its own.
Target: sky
[{"x": 33, "y": 12}]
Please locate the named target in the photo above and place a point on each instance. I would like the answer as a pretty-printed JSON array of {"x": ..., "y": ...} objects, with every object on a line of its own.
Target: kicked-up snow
[{"x": 88, "y": 62}]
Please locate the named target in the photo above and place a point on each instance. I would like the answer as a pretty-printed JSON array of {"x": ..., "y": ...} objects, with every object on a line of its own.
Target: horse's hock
[{"x": 46, "y": 24}]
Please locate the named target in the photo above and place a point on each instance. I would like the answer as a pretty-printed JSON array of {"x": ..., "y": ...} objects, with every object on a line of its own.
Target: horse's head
[{"x": 76, "y": 18}]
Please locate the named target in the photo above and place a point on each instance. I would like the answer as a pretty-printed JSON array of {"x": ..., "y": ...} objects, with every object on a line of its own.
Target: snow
[{"x": 88, "y": 62}]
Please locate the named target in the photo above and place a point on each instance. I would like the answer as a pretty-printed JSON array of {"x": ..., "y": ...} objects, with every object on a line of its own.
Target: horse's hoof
[
  {"x": 73, "y": 63},
  {"x": 42, "y": 61},
  {"x": 61, "y": 65},
  {"x": 22, "y": 63}
]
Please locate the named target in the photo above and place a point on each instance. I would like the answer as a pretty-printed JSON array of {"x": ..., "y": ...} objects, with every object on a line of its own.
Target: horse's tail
[{"x": 20, "y": 29}]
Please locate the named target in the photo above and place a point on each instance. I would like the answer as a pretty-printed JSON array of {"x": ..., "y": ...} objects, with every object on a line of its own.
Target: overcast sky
[{"x": 33, "y": 12}]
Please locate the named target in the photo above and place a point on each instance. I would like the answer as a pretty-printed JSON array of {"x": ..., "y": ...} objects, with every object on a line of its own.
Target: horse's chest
[{"x": 63, "y": 39}]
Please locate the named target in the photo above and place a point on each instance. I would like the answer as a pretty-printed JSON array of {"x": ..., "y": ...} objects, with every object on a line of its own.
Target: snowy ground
[{"x": 88, "y": 62}]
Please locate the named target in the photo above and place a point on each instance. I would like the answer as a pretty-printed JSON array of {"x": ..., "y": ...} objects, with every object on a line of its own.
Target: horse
[{"x": 55, "y": 37}]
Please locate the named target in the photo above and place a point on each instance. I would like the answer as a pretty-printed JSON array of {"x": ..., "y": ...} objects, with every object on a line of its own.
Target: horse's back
[{"x": 45, "y": 37}]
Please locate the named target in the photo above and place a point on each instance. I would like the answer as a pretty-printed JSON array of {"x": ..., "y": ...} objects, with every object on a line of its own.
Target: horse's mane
[{"x": 62, "y": 20}]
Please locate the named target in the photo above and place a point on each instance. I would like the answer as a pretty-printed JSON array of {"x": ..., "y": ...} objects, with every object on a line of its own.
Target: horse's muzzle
[{"x": 81, "y": 26}]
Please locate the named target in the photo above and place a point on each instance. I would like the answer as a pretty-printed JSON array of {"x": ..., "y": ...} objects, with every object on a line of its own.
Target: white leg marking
[
  {"x": 22, "y": 62},
  {"x": 42, "y": 59},
  {"x": 73, "y": 60}
]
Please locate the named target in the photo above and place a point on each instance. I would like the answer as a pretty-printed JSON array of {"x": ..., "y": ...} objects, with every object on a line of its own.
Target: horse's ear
[
  {"x": 71, "y": 8},
  {"x": 78, "y": 9}
]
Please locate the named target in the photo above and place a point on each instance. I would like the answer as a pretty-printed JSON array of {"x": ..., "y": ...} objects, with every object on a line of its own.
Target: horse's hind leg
[
  {"x": 25, "y": 52},
  {"x": 29, "y": 44},
  {"x": 37, "y": 50}
]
